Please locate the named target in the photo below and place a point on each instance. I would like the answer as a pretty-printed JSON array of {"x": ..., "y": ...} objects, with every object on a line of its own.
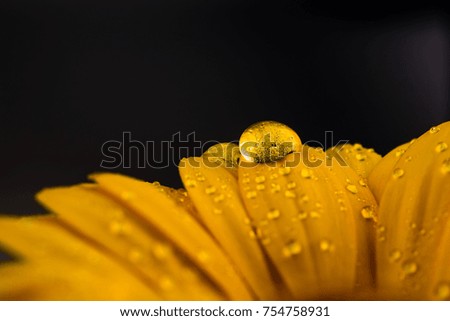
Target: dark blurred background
[{"x": 74, "y": 74}]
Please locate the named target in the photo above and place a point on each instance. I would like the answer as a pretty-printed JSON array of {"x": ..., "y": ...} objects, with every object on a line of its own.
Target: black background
[{"x": 74, "y": 74}]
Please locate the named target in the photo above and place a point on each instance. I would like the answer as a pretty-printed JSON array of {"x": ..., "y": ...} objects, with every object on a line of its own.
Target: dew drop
[
  {"x": 218, "y": 198},
  {"x": 260, "y": 187},
  {"x": 217, "y": 211},
  {"x": 268, "y": 141},
  {"x": 303, "y": 215},
  {"x": 291, "y": 185},
  {"x": 314, "y": 214},
  {"x": 368, "y": 212},
  {"x": 306, "y": 173},
  {"x": 252, "y": 234},
  {"x": 200, "y": 177},
  {"x": 289, "y": 194},
  {"x": 395, "y": 255},
  {"x": 135, "y": 256},
  {"x": 304, "y": 198},
  {"x": 210, "y": 190},
  {"x": 161, "y": 251},
  {"x": 251, "y": 194},
  {"x": 273, "y": 214},
  {"x": 362, "y": 182},
  {"x": 260, "y": 179},
  {"x": 166, "y": 283},
  {"x": 191, "y": 183},
  {"x": 325, "y": 246},
  {"x": 445, "y": 168},
  {"x": 292, "y": 248},
  {"x": 284, "y": 171},
  {"x": 275, "y": 188},
  {"x": 246, "y": 180},
  {"x": 351, "y": 188},
  {"x": 203, "y": 256},
  {"x": 409, "y": 268},
  {"x": 443, "y": 291},
  {"x": 441, "y": 147},
  {"x": 434, "y": 130},
  {"x": 273, "y": 176},
  {"x": 398, "y": 173},
  {"x": 361, "y": 157},
  {"x": 118, "y": 227}
]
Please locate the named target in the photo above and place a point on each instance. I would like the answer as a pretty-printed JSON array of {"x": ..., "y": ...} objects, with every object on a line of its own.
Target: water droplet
[
  {"x": 217, "y": 211},
  {"x": 434, "y": 130},
  {"x": 260, "y": 187},
  {"x": 368, "y": 212},
  {"x": 290, "y": 194},
  {"x": 445, "y": 168},
  {"x": 135, "y": 256},
  {"x": 273, "y": 214},
  {"x": 275, "y": 188},
  {"x": 351, "y": 188},
  {"x": 200, "y": 177},
  {"x": 274, "y": 176},
  {"x": 442, "y": 291},
  {"x": 306, "y": 173},
  {"x": 251, "y": 194},
  {"x": 314, "y": 214},
  {"x": 440, "y": 147},
  {"x": 399, "y": 152},
  {"x": 203, "y": 256},
  {"x": 224, "y": 153},
  {"x": 395, "y": 255},
  {"x": 260, "y": 179},
  {"x": 219, "y": 198},
  {"x": 266, "y": 241},
  {"x": 362, "y": 182},
  {"x": 303, "y": 215},
  {"x": 409, "y": 268},
  {"x": 252, "y": 234},
  {"x": 284, "y": 171},
  {"x": 357, "y": 147},
  {"x": 210, "y": 190},
  {"x": 191, "y": 183},
  {"x": 292, "y": 248},
  {"x": 291, "y": 185},
  {"x": 166, "y": 283},
  {"x": 161, "y": 251},
  {"x": 268, "y": 141},
  {"x": 246, "y": 180},
  {"x": 304, "y": 198},
  {"x": 118, "y": 227},
  {"x": 361, "y": 157},
  {"x": 398, "y": 172},
  {"x": 326, "y": 246}
]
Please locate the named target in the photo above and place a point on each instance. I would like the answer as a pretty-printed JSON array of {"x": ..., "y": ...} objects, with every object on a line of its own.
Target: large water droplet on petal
[{"x": 268, "y": 141}]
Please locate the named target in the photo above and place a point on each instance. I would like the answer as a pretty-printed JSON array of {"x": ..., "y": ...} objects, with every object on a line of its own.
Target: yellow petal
[
  {"x": 119, "y": 233},
  {"x": 215, "y": 192},
  {"x": 60, "y": 266},
  {"x": 162, "y": 213},
  {"x": 361, "y": 159},
  {"x": 314, "y": 221},
  {"x": 414, "y": 252}
]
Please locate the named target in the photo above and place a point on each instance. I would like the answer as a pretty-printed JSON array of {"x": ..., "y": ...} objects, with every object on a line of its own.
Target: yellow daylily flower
[{"x": 265, "y": 220}]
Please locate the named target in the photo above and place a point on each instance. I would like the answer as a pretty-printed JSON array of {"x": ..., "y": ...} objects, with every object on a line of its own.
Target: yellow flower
[{"x": 280, "y": 222}]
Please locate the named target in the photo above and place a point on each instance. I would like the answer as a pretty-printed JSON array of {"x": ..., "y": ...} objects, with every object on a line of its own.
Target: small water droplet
[
  {"x": 210, "y": 190},
  {"x": 442, "y": 291},
  {"x": 191, "y": 183},
  {"x": 441, "y": 147},
  {"x": 434, "y": 130},
  {"x": 409, "y": 268},
  {"x": 252, "y": 234},
  {"x": 273, "y": 214},
  {"x": 200, "y": 177},
  {"x": 218, "y": 198},
  {"x": 266, "y": 241},
  {"x": 118, "y": 227},
  {"x": 217, "y": 211},
  {"x": 326, "y": 246},
  {"x": 314, "y": 214},
  {"x": 395, "y": 255},
  {"x": 361, "y": 157},
  {"x": 289, "y": 194},
  {"x": 251, "y": 194},
  {"x": 135, "y": 256},
  {"x": 292, "y": 248},
  {"x": 398, "y": 173},
  {"x": 291, "y": 185},
  {"x": 161, "y": 251},
  {"x": 304, "y": 198},
  {"x": 357, "y": 147},
  {"x": 284, "y": 171},
  {"x": 260, "y": 179},
  {"x": 203, "y": 256},
  {"x": 362, "y": 182},
  {"x": 303, "y": 215},
  {"x": 260, "y": 187},
  {"x": 368, "y": 212},
  {"x": 351, "y": 188},
  {"x": 306, "y": 173},
  {"x": 166, "y": 283},
  {"x": 268, "y": 141},
  {"x": 246, "y": 180},
  {"x": 274, "y": 176}
]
